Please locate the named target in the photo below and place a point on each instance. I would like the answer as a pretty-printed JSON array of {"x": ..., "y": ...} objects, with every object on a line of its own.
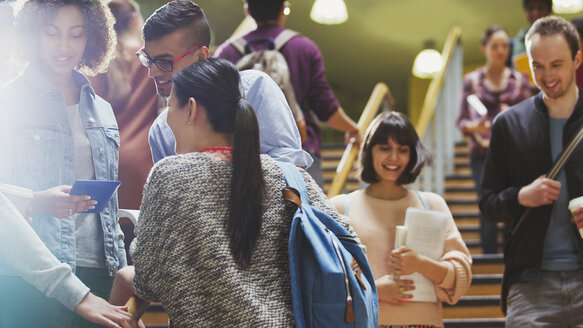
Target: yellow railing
[
  {"x": 428, "y": 109},
  {"x": 380, "y": 93}
]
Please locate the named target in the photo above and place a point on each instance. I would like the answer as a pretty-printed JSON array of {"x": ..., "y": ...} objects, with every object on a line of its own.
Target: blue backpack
[{"x": 331, "y": 281}]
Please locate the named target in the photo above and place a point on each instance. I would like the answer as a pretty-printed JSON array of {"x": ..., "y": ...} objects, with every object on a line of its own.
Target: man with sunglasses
[{"x": 177, "y": 35}]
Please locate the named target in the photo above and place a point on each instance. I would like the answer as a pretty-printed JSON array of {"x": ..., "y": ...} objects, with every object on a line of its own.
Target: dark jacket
[{"x": 520, "y": 151}]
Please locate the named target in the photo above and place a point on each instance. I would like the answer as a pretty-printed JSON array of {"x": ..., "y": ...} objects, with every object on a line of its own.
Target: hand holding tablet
[{"x": 99, "y": 190}]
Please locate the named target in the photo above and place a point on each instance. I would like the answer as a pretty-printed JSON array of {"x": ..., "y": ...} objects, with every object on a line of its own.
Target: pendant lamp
[{"x": 329, "y": 12}]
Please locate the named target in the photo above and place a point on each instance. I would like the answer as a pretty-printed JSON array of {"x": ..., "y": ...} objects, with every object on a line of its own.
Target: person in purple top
[
  {"x": 498, "y": 87},
  {"x": 308, "y": 78}
]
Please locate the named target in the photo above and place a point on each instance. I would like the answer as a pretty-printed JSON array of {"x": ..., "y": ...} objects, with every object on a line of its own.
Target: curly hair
[{"x": 99, "y": 22}]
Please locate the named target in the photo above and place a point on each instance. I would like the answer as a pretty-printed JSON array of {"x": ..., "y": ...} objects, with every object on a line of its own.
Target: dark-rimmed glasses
[{"x": 165, "y": 65}]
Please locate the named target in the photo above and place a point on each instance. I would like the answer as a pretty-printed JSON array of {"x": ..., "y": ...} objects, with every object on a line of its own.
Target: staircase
[{"x": 480, "y": 307}]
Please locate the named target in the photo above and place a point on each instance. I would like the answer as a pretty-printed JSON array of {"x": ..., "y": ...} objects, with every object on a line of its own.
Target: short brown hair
[
  {"x": 101, "y": 38},
  {"x": 489, "y": 32},
  {"x": 552, "y": 25},
  {"x": 396, "y": 126}
]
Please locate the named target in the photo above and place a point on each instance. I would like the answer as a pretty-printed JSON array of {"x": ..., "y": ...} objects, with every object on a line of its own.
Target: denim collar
[{"x": 43, "y": 86}]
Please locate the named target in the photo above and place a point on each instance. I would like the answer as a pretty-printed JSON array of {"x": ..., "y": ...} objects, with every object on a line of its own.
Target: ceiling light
[
  {"x": 428, "y": 62},
  {"x": 329, "y": 12},
  {"x": 567, "y": 6}
]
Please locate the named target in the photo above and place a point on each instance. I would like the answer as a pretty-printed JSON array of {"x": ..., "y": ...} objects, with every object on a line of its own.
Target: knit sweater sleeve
[{"x": 455, "y": 252}]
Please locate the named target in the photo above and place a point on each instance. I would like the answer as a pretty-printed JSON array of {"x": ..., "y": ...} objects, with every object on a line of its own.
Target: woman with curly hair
[{"x": 54, "y": 130}]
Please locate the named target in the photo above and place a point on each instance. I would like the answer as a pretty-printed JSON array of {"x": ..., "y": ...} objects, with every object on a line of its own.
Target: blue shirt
[
  {"x": 37, "y": 150},
  {"x": 278, "y": 133},
  {"x": 560, "y": 250}
]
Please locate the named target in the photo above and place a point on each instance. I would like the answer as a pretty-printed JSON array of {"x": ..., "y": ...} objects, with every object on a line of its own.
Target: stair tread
[{"x": 475, "y": 323}]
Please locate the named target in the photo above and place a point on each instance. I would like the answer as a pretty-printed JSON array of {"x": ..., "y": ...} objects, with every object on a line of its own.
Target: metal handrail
[
  {"x": 379, "y": 94},
  {"x": 430, "y": 102}
]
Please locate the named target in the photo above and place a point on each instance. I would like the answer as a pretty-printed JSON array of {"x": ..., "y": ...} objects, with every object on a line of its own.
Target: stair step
[
  {"x": 462, "y": 197},
  {"x": 462, "y": 165},
  {"x": 475, "y": 323},
  {"x": 467, "y": 183},
  {"x": 485, "y": 284},
  {"x": 475, "y": 246},
  {"x": 461, "y": 194},
  {"x": 460, "y": 189},
  {"x": 473, "y": 214},
  {"x": 474, "y": 307},
  {"x": 461, "y": 154},
  {"x": 487, "y": 264},
  {"x": 155, "y": 316},
  {"x": 472, "y": 230},
  {"x": 464, "y": 207},
  {"x": 462, "y": 168},
  {"x": 458, "y": 176}
]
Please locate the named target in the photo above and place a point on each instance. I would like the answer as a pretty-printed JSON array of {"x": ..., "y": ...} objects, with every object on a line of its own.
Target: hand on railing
[
  {"x": 353, "y": 138},
  {"x": 137, "y": 306}
]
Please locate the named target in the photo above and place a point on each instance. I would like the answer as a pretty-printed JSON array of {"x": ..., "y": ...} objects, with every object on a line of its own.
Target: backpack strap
[
  {"x": 283, "y": 38},
  {"x": 346, "y": 206},
  {"x": 423, "y": 200},
  {"x": 294, "y": 179},
  {"x": 239, "y": 45}
]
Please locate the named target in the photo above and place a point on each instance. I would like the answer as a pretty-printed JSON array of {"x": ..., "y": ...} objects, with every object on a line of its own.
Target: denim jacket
[{"x": 37, "y": 152}]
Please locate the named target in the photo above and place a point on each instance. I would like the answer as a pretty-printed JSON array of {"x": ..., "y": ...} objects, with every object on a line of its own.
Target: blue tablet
[{"x": 99, "y": 190}]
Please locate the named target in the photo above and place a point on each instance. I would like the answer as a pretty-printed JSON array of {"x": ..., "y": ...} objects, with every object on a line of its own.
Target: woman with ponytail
[{"x": 213, "y": 229}]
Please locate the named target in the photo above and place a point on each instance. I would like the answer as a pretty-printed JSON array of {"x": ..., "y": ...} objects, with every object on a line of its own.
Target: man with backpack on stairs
[{"x": 306, "y": 70}]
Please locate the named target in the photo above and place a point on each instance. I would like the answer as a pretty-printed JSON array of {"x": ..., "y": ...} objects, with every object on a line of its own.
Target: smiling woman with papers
[{"x": 416, "y": 255}]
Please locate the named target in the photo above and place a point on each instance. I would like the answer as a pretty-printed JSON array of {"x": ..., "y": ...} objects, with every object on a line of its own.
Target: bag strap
[
  {"x": 239, "y": 45},
  {"x": 423, "y": 200},
  {"x": 346, "y": 206},
  {"x": 557, "y": 167},
  {"x": 283, "y": 37},
  {"x": 295, "y": 180}
]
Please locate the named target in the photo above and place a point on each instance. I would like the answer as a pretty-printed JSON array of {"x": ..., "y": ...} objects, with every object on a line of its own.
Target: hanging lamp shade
[
  {"x": 567, "y": 6},
  {"x": 329, "y": 12},
  {"x": 428, "y": 62}
]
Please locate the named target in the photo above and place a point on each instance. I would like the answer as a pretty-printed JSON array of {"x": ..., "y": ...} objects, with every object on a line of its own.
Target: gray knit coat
[{"x": 182, "y": 257}]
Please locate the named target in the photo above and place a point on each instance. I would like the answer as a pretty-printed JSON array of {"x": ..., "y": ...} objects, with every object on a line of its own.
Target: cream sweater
[{"x": 374, "y": 220}]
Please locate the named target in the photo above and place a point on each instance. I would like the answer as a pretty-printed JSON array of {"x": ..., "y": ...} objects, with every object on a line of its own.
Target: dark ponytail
[
  {"x": 214, "y": 83},
  {"x": 247, "y": 185}
]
